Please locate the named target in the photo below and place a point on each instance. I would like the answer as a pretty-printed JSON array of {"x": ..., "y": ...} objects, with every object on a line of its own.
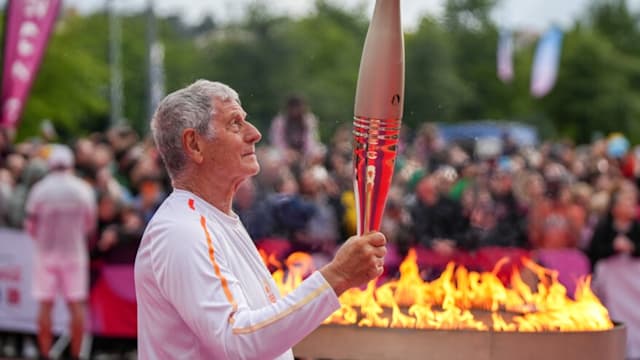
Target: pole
[{"x": 115, "y": 38}]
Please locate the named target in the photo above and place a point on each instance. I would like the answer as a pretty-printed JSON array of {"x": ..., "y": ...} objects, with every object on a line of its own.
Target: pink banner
[{"x": 27, "y": 29}]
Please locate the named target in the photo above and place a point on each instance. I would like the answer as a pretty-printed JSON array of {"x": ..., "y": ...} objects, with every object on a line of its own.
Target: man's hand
[{"x": 359, "y": 260}]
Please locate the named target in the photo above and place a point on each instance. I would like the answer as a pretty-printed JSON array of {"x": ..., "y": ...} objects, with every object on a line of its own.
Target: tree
[
  {"x": 268, "y": 57},
  {"x": 614, "y": 20},
  {"x": 450, "y": 68},
  {"x": 71, "y": 86},
  {"x": 251, "y": 57},
  {"x": 468, "y": 14},
  {"x": 475, "y": 37},
  {"x": 434, "y": 91},
  {"x": 324, "y": 64},
  {"x": 594, "y": 89}
]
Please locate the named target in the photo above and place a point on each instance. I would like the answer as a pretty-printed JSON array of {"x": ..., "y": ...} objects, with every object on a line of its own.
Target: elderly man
[
  {"x": 61, "y": 213},
  {"x": 202, "y": 289}
]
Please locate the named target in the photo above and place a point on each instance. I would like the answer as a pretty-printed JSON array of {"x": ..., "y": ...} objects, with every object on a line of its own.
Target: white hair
[{"x": 190, "y": 107}]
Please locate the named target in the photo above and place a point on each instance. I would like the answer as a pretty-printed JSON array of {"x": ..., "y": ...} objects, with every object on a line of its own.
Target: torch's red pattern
[{"x": 375, "y": 145}]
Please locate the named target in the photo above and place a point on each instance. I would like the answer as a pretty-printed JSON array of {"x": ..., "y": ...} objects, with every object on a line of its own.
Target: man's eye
[{"x": 236, "y": 124}]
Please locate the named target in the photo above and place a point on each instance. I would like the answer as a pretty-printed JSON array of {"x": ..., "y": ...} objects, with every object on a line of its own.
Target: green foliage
[
  {"x": 434, "y": 90},
  {"x": 594, "y": 90},
  {"x": 71, "y": 86},
  {"x": 324, "y": 66},
  {"x": 270, "y": 57},
  {"x": 468, "y": 14},
  {"x": 613, "y": 20},
  {"x": 253, "y": 58},
  {"x": 450, "y": 69}
]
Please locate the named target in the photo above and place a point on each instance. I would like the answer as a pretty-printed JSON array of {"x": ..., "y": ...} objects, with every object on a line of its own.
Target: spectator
[
  {"x": 619, "y": 232},
  {"x": 5, "y": 145},
  {"x": 428, "y": 148},
  {"x": 118, "y": 242},
  {"x": 33, "y": 172},
  {"x": 84, "y": 150},
  {"x": 322, "y": 230},
  {"x": 437, "y": 220},
  {"x": 485, "y": 228},
  {"x": 16, "y": 164},
  {"x": 61, "y": 214},
  {"x": 556, "y": 222},
  {"x": 505, "y": 206},
  {"x": 150, "y": 196},
  {"x": 295, "y": 133},
  {"x": 6, "y": 188},
  {"x": 582, "y": 193}
]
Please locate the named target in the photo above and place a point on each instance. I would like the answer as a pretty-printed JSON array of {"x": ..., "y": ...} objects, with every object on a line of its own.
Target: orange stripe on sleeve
[{"x": 295, "y": 307}]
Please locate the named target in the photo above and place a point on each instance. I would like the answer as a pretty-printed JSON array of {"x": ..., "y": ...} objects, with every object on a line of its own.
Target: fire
[{"x": 457, "y": 297}]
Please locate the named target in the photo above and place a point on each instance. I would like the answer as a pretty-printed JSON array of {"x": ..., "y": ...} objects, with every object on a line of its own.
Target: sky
[{"x": 534, "y": 15}]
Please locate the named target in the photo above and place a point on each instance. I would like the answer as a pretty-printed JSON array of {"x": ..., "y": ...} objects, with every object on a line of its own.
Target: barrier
[
  {"x": 617, "y": 284},
  {"x": 18, "y": 308},
  {"x": 112, "y": 303}
]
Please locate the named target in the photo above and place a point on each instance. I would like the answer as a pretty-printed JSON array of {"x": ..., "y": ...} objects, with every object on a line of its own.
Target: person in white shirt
[
  {"x": 203, "y": 291},
  {"x": 61, "y": 214}
]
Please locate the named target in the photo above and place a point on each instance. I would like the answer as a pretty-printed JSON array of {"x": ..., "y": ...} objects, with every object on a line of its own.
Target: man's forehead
[{"x": 229, "y": 106}]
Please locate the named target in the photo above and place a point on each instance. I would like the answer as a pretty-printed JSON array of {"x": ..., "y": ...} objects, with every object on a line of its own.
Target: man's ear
[{"x": 191, "y": 143}]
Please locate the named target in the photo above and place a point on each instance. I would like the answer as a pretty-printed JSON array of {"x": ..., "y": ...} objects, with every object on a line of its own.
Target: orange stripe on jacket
[
  {"x": 216, "y": 268},
  {"x": 229, "y": 295}
]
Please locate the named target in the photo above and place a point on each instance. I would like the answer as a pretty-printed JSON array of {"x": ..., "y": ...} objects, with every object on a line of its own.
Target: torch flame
[{"x": 447, "y": 302}]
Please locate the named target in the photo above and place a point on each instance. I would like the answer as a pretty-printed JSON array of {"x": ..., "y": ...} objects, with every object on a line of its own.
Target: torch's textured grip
[{"x": 375, "y": 148}]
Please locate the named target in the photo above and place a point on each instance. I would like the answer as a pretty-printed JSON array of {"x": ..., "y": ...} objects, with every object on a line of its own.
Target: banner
[
  {"x": 617, "y": 284},
  {"x": 505, "y": 56},
  {"x": 112, "y": 300},
  {"x": 18, "y": 308},
  {"x": 27, "y": 29},
  {"x": 546, "y": 62}
]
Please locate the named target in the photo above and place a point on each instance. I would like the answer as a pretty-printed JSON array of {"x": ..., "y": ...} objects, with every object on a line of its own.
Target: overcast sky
[{"x": 528, "y": 14}]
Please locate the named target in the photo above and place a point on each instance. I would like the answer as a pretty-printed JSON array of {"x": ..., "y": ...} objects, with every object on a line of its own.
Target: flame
[
  {"x": 298, "y": 264},
  {"x": 447, "y": 302}
]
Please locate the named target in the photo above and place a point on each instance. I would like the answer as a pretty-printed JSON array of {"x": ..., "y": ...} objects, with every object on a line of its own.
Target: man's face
[
  {"x": 296, "y": 111},
  {"x": 232, "y": 151},
  {"x": 427, "y": 191},
  {"x": 625, "y": 207}
]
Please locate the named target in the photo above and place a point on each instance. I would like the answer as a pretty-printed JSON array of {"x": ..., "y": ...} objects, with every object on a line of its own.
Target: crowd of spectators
[
  {"x": 125, "y": 173},
  {"x": 445, "y": 199},
  {"x": 449, "y": 201}
]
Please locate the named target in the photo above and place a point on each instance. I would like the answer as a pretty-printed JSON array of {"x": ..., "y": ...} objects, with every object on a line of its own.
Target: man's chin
[{"x": 256, "y": 170}]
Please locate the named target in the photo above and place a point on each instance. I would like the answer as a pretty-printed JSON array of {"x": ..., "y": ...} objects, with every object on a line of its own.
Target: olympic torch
[{"x": 378, "y": 113}]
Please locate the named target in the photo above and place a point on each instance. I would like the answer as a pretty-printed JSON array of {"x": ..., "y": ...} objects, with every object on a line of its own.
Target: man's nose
[{"x": 253, "y": 134}]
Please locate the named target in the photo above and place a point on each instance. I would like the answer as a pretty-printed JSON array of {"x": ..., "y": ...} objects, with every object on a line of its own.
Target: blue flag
[{"x": 546, "y": 62}]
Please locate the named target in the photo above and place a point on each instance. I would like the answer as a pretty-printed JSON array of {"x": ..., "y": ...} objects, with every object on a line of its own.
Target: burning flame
[{"x": 447, "y": 302}]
